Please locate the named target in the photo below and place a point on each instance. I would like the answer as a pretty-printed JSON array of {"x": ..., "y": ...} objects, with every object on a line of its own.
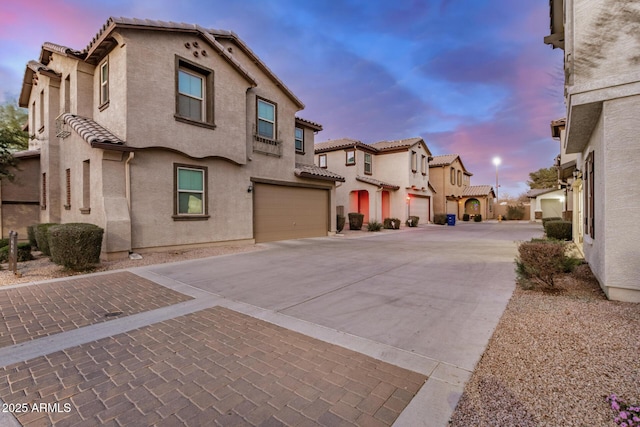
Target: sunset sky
[{"x": 471, "y": 77}]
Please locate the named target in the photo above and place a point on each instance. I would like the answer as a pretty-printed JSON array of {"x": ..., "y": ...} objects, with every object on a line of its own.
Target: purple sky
[{"x": 470, "y": 77}]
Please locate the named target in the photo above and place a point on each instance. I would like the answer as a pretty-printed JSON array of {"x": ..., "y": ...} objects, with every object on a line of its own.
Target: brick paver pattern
[
  {"x": 31, "y": 312},
  {"x": 212, "y": 367}
]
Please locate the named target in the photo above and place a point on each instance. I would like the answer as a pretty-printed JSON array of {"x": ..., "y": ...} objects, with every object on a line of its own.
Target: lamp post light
[{"x": 497, "y": 161}]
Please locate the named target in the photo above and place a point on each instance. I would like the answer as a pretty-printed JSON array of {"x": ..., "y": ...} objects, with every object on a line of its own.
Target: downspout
[{"x": 127, "y": 179}]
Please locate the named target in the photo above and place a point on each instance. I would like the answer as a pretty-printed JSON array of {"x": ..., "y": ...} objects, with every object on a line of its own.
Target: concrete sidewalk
[{"x": 348, "y": 329}]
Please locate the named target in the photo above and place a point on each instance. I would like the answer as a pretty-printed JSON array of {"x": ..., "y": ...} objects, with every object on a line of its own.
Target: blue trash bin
[{"x": 451, "y": 219}]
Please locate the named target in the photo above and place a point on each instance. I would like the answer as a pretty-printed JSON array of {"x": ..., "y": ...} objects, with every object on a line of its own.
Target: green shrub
[
  {"x": 413, "y": 221},
  {"x": 540, "y": 260},
  {"x": 553, "y": 218},
  {"x": 4, "y": 242},
  {"x": 465, "y": 217},
  {"x": 340, "y": 220},
  {"x": 355, "y": 220},
  {"x": 76, "y": 245},
  {"x": 515, "y": 212},
  {"x": 42, "y": 237},
  {"x": 440, "y": 219},
  {"x": 560, "y": 230},
  {"x": 24, "y": 253},
  {"x": 391, "y": 223},
  {"x": 31, "y": 235},
  {"x": 374, "y": 226},
  {"x": 477, "y": 218}
]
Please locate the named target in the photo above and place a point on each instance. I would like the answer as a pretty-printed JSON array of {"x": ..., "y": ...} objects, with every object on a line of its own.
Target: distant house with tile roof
[
  {"x": 387, "y": 179},
  {"x": 454, "y": 193},
  {"x": 172, "y": 135}
]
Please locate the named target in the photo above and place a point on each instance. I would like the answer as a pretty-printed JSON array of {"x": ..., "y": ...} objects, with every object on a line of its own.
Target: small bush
[
  {"x": 391, "y": 223},
  {"x": 552, "y": 218},
  {"x": 24, "y": 253},
  {"x": 541, "y": 260},
  {"x": 355, "y": 220},
  {"x": 560, "y": 230},
  {"x": 42, "y": 237},
  {"x": 76, "y": 245},
  {"x": 515, "y": 212},
  {"x": 31, "y": 235},
  {"x": 374, "y": 226},
  {"x": 465, "y": 217},
  {"x": 477, "y": 218},
  {"x": 340, "y": 220},
  {"x": 413, "y": 221},
  {"x": 440, "y": 219},
  {"x": 4, "y": 242}
]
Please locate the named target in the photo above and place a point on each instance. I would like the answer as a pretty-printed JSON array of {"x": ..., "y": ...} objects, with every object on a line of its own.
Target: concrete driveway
[{"x": 426, "y": 299}]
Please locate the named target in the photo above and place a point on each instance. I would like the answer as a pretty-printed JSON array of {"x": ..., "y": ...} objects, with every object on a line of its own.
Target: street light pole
[{"x": 497, "y": 161}]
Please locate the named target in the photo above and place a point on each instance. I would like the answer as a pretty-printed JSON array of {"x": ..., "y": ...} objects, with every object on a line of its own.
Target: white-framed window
[
  {"x": 423, "y": 164},
  {"x": 266, "y": 119},
  {"x": 368, "y": 164},
  {"x": 414, "y": 162},
  {"x": 322, "y": 160},
  {"x": 190, "y": 184},
  {"x": 104, "y": 82},
  {"x": 350, "y": 157},
  {"x": 191, "y": 95},
  {"x": 299, "y": 140}
]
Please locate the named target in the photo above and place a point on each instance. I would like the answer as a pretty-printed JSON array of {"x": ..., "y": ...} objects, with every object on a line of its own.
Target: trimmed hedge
[
  {"x": 31, "y": 235},
  {"x": 560, "y": 230},
  {"x": 552, "y": 218},
  {"x": 477, "y": 218},
  {"x": 24, "y": 252},
  {"x": 391, "y": 223},
  {"x": 42, "y": 237},
  {"x": 465, "y": 217},
  {"x": 4, "y": 242},
  {"x": 440, "y": 219},
  {"x": 76, "y": 245},
  {"x": 413, "y": 221},
  {"x": 355, "y": 220}
]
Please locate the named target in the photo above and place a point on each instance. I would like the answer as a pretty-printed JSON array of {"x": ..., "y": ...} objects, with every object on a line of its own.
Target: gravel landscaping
[{"x": 554, "y": 358}]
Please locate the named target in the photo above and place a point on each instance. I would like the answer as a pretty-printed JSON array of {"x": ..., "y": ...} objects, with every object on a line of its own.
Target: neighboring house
[
  {"x": 20, "y": 198},
  {"x": 388, "y": 179},
  {"x": 173, "y": 135},
  {"x": 454, "y": 193},
  {"x": 602, "y": 95},
  {"x": 546, "y": 203}
]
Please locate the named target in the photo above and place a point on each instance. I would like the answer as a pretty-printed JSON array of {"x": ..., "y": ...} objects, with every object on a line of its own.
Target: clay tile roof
[
  {"x": 443, "y": 160},
  {"x": 90, "y": 131},
  {"x": 316, "y": 172},
  {"x": 398, "y": 143},
  {"x": 36, "y": 67},
  {"x": 308, "y": 123},
  {"x": 26, "y": 154},
  {"x": 533, "y": 193},
  {"x": 377, "y": 183},
  {"x": 53, "y": 47},
  {"x": 477, "y": 190},
  {"x": 336, "y": 144}
]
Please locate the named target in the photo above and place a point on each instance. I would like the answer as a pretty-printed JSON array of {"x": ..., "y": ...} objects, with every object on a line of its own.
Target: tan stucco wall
[
  {"x": 14, "y": 215},
  {"x": 440, "y": 179}
]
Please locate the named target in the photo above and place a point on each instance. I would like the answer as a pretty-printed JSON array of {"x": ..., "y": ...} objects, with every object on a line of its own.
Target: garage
[
  {"x": 420, "y": 207},
  {"x": 282, "y": 212}
]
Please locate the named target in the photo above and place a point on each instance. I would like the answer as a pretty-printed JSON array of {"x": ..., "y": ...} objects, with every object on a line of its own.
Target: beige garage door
[
  {"x": 281, "y": 212},
  {"x": 420, "y": 208}
]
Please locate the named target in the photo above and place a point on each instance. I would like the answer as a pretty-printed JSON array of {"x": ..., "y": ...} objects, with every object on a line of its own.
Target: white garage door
[{"x": 420, "y": 207}]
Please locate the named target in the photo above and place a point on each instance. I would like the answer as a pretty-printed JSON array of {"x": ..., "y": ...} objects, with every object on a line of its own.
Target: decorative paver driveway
[
  {"x": 213, "y": 366},
  {"x": 30, "y": 312}
]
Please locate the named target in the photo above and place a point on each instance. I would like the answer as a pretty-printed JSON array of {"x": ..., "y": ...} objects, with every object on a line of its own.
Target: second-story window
[
  {"x": 191, "y": 95},
  {"x": 452, "y": 178},
  {"x": 322, "y": 160},
  {"x": 266, "y": 119},
  {"x": 414, "y": 162},
  {"x": 423, "y": 164},
  {"x": 104, "y": 83},
  {"x": 368, "y": 165},
  {"x": 459, "y": 178},
  {"x": 351, "y": 157},
  {"x": 299, "y": 140}
]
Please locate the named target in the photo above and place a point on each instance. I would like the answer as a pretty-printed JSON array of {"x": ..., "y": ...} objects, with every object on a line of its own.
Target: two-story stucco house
[
  {"x": 602, "y": 96},
  {"x": 173, "y": 135},
  {"x": 387, "y": 179},
  {"x": 454, "y": 193}
]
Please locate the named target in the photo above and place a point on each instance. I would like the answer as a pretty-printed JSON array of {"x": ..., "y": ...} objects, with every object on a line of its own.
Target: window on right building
[{"x": 589, "y": 205}]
